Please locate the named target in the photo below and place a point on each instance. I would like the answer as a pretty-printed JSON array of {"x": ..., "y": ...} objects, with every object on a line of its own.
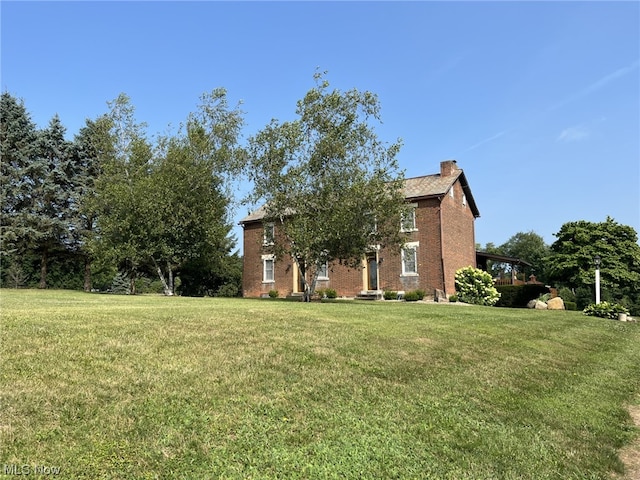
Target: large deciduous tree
[
  {"x": 165, "y": 208},
  {"x": 571, "y": 262},
  {"x": 331, "y": 186},
  {"x": 530, "y": 247},
  {"x": 93, "y": 146}
]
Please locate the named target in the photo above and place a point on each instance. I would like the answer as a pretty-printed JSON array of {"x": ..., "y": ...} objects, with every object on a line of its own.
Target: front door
[{"x": 372, "y": 270}]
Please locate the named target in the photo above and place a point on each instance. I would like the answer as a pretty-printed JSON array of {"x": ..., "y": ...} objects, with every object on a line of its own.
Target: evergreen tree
[
  {"x": 18, "y": 137},
  {"x": 50, "y": 213}
]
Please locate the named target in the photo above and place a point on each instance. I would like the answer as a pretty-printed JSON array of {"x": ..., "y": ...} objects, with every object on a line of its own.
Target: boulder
[
  {"x": 531, "y": 304},
  {"x": 540, "y": 305},
  {"x": 555, "y": 304}
]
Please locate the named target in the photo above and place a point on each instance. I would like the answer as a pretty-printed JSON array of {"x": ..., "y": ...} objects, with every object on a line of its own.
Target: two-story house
[{"x": 441, "y": 240}]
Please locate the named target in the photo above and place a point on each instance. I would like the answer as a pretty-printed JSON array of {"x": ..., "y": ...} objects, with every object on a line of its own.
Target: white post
[{"x": 597, "y": 285}]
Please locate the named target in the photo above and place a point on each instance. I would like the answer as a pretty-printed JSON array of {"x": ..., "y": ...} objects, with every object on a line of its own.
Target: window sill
[{"x": 410, "y": 275}]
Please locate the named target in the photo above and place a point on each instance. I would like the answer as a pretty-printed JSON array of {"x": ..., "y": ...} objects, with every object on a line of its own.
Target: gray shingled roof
[
  {"x": 429, "y": 185},
  {"x": 414, "y": 188}
]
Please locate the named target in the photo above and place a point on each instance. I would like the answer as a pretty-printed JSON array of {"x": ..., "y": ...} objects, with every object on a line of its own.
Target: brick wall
[{"x": 459, "y": 249}]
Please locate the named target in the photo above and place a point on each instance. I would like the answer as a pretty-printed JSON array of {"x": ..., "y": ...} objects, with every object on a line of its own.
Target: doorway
[{"x": 372, "y": 271}]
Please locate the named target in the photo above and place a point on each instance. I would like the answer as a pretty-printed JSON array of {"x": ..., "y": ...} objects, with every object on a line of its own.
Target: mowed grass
[{"x": 116, "y": 387}]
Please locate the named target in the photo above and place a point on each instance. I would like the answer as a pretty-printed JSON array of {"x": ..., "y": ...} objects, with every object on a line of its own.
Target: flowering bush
[
  {"x": 605, "y": 310},
  {"x": 476, "y": 286}
]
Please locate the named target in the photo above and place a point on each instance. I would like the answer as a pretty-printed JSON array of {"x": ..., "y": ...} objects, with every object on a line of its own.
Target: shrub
[
  {"x": 545, "y": 297},
  {"x": 476, "y": 286},
  {"x": 120, "y": 284},
  {"x": 228, "y": 290},
  {"x": 330, "y": 293},
  {"x": 566, "y": 294},
  {"x": 320, "y": 293},
  {"x": 274, "y": 293},
  {"x": 390, "y": 295},
  {"x": 421, "y": 294},
  {"x": 570, "y": 305},
  {"x": 453, "y": 298},
  {"x": 605, "y": 310},
  {"x": 411, "y": 297}
]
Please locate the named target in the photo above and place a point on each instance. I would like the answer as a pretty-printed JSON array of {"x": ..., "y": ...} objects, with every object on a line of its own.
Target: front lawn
[{"x": 118, "y": 387}]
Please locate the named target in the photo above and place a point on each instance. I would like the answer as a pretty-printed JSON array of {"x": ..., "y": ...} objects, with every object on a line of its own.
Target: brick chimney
[{"x": 448, "y": 167}]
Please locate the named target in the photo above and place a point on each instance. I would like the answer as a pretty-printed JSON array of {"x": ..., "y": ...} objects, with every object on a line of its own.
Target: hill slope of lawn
[{"x": 118, "y": 387}]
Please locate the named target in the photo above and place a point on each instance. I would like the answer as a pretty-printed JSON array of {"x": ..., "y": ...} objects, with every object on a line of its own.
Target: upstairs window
[
  {"x": 408, "y": 222},
  {"x": 268, "y": 235}
]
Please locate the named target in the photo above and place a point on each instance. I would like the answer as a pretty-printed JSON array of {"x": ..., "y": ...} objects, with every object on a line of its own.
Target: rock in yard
[
  {"x": 540, "y": 305},
  {"x": 555, "y": 304}
]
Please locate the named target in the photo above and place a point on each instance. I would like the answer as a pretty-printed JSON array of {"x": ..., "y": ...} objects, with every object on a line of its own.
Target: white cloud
[
  {"x": 486, "y": 140},
  {"x": 595, "y": 86},
  {"x": 573, "y": 134}
]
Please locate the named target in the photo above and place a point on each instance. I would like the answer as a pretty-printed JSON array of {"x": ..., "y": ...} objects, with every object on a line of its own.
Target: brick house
[{"x": 441, "y": 239}]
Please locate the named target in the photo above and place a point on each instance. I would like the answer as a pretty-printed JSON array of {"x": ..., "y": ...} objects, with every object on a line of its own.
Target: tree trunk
[
  {"x": 132, "y": 283},
  {"x": 43, "y": 268},
  {"x": 172, "y": 287},
  {"x": 165, "y": 286},
  {"x": 87, "y": 273}
]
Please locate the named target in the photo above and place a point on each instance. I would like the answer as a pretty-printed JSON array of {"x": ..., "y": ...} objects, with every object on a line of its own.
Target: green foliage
[
  {"x": 274, "y": 293},
  {"x": 476, "y": 286},
  {"x": 16, "y": 276},
  {"x": 566, "y": 294},
  {"x": 330, "y": 293},
  {"x": 527, "y": 246},
  {"x": 121, "y": 284},
  {"x": 584, "y": 296},
  {"x": 421, "y": 294},
  {"x": 390, "y": 295},
  {"x": 573, "y": 306},
  {"x": 412, "y": 296},
  {"x": 517, "y": 296},
  {"x": 453, "y": 298},
  {"x": 331, "y": 188},
  {"x": 605, "y": 310},
  {"x": 113, "y": 200},
  {"x": 572, "y": 260}
]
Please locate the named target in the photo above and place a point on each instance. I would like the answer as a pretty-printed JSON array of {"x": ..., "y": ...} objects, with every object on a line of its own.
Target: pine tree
[
  {"x": 18, "y": 137},
  {"x": 50, "y": 213}
]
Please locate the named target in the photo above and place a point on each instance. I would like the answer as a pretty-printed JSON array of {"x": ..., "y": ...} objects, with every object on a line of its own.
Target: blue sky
[{"x": 538, "y": 102}]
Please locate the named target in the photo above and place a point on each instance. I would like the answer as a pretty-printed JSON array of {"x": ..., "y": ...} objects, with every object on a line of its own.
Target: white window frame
[
  {"x": 265, "y": 260},
  {"x": 404, "y": 220},
  {"x": 324, "y": 269},
  {"x": 268, "y": 238},
  {"x": 410, "y": 246}
]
